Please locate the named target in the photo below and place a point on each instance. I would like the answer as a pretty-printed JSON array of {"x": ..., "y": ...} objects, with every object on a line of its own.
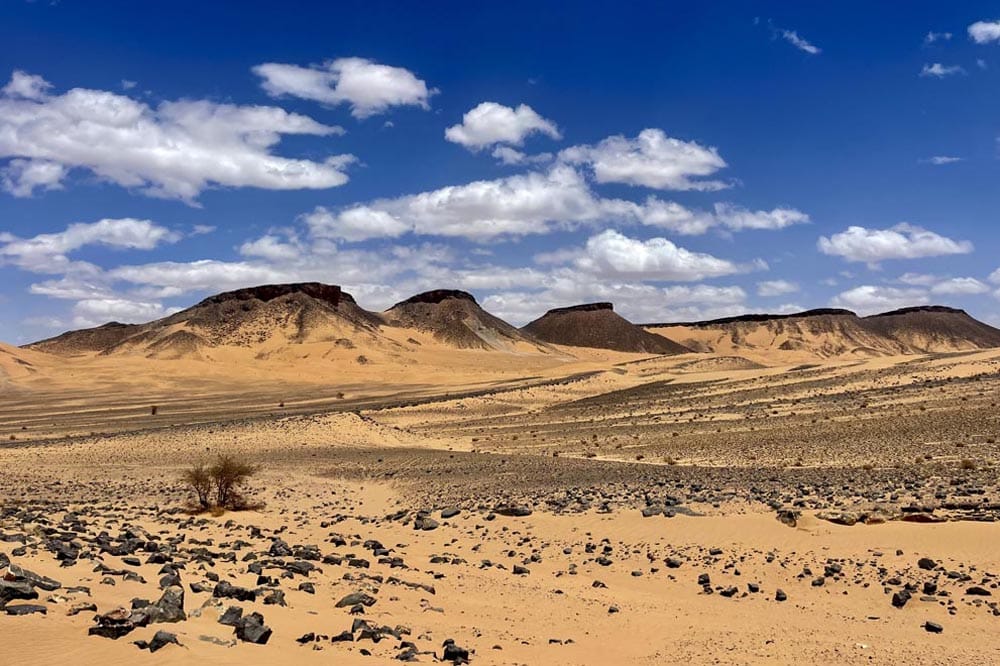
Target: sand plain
[{"x": 641, "y": 475}]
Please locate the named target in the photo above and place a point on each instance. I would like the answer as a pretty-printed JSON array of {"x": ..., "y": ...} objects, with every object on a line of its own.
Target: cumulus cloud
[
  {"x": 939, "y": 71},
  {"x": 871, "y": 299},
  {"x": 355, "y": 224},
  {"x": 960, "y": 286},
  {"x": 652, "y": 159},
  {"x": 984, "y": 32},
  {"x": 903, "y": 241},
  {"x": 97, "y": 311},
  {"x": 776, "y": 288},
  {"x": 612, "y": 254},
  {"x": 175, "y": 150},
  {"x": 368, "y": 87},
  {"x": 513, "y": 157},
  {"x": 519, "y": 205},
  {"x": 490, "y": 123},
  {"x": 22, "y": 177},
  {"x": 673, "y": 216},
  {"x": 531, "y": 203},
  {"x": 47, "y": 253}
]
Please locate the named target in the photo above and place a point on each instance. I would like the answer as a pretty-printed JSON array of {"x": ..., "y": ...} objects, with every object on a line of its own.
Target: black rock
[
  {"x": 779, "y": 595},
  {"x": 355, "y": 598},
  {"x": 226, "y": 590},
  {"x": 454, "y": 653},
  {"x": 933, "y": 627},
  {"x": 232, "y": 616},
  {"x": 25, "y": 609},
  {"x": 252, "y": 629},
  {"x": 900, "y": 598},
  {"x": 927, "y": 564},
  {"x": 113, "y": 625}
]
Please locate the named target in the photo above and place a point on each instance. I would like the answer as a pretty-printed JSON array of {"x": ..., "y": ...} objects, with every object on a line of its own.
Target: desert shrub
[
  {"x": 153, "y": 409},
  {"x": 201, "y": 483},
  {"x": 218, "y": 485},
  {"x": 967, "y": 464}
]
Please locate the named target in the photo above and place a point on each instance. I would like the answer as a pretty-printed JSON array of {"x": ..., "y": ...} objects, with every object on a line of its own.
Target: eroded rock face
[{"x": 329, "y": 293}]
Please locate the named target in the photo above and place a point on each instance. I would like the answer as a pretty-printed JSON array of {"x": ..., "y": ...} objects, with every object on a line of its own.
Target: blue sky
[{"x": 684, "y": 162}]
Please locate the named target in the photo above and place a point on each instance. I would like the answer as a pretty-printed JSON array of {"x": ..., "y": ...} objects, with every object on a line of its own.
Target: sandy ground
[{"x": 641, "y": 475}]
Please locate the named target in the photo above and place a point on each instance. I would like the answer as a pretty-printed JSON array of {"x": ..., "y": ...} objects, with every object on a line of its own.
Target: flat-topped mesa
[
  {"x": 598, "y": 326},
  {"x": 327, "y": 293},
  {"x": 437, "y": 296},
  {"x": 939, "y": 309},
  {"x": 585, "y": 307},
  {"x": 758, "y": 318}
]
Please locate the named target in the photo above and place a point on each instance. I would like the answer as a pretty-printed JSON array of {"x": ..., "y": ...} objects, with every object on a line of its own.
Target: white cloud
[
  {"x": 355, "y": 224},
  {"x": 490, "y": 123},
  {"x": 940, "y": 160},
  {"x": 524, "y": 204},
  {"x": 46, "y": 253},
  {"x": 800, "y": 43},
  {"x": 652, "y": 159},
  {"x": 939, "y": 71},
  {"x": 513, "y": 157},
  {"x": 903, "y": 241},
  {"x": 612, "y": 254},
  {"x": 933, "y": 37},
  {"x": 26, "y": 86},
  {"x": 870, "y": 299},
  {"x": 176, "y": 150},
  {"x": 640, "y": 303},
  {"x": 679, "y": 219},
  {"x": 531, "y": 203},
  {"x": 97, "y": 311},
  {"x": 994, "y": 276},
  {"x": 919, "y": 279},
  {"x": 960, "y": 286},
  {"x": 776, "y": 288},
  {"x": 369, "y": 88},
  {"x": 984, "y": 32},
  {"x": 22, "y": 177}
]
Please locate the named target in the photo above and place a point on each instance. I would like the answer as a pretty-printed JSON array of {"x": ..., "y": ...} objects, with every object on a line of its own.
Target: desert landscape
[
  {"x": 503, "y": 334},
  {"x": 434, "y": 484}
]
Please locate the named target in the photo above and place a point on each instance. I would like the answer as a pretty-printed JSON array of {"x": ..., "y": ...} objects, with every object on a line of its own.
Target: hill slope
[
  {"x": 935, "y": 328},
  {"x": 266, "y": 316},
  {"x": 833, "y": 333},
  {"x": 455, "y": 318},
  {"x": 598, "y": 325}
]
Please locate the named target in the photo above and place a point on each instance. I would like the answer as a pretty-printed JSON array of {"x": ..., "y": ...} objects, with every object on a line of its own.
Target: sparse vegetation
[
  {"x": 217, "y": 486},
  {"x": 153, "y": 409}
]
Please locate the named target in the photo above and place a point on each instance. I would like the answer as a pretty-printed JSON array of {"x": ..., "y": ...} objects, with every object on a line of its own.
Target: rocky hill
[{"x": 597, "y": 325}]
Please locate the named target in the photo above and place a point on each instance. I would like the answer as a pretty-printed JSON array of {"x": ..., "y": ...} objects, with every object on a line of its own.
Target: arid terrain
[{"x": 437, "y": 485}]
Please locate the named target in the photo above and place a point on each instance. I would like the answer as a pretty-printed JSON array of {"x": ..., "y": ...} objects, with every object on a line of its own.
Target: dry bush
[
  {"x": 201, "y": 483},
  {"x": 217, "y": 486}
]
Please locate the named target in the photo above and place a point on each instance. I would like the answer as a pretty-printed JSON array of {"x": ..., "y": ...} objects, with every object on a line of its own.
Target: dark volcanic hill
[
  {"x": 934, "y": 328},
  {"x": 835, "y": 332},
  {"x": 598, "y": 325},
  {"x": 454, "y": 317},
  {"x": 245, "y": 317}
]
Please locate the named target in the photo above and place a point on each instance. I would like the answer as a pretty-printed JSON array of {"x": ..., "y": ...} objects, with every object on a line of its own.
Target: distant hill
[
  {"x": 935, "y": 328},
  {"x": 279, "y": 314},
  {"x": 829, "y": 333},
  {"x": 597, "y": 325},
  {"x": 455, "y": 318}
]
